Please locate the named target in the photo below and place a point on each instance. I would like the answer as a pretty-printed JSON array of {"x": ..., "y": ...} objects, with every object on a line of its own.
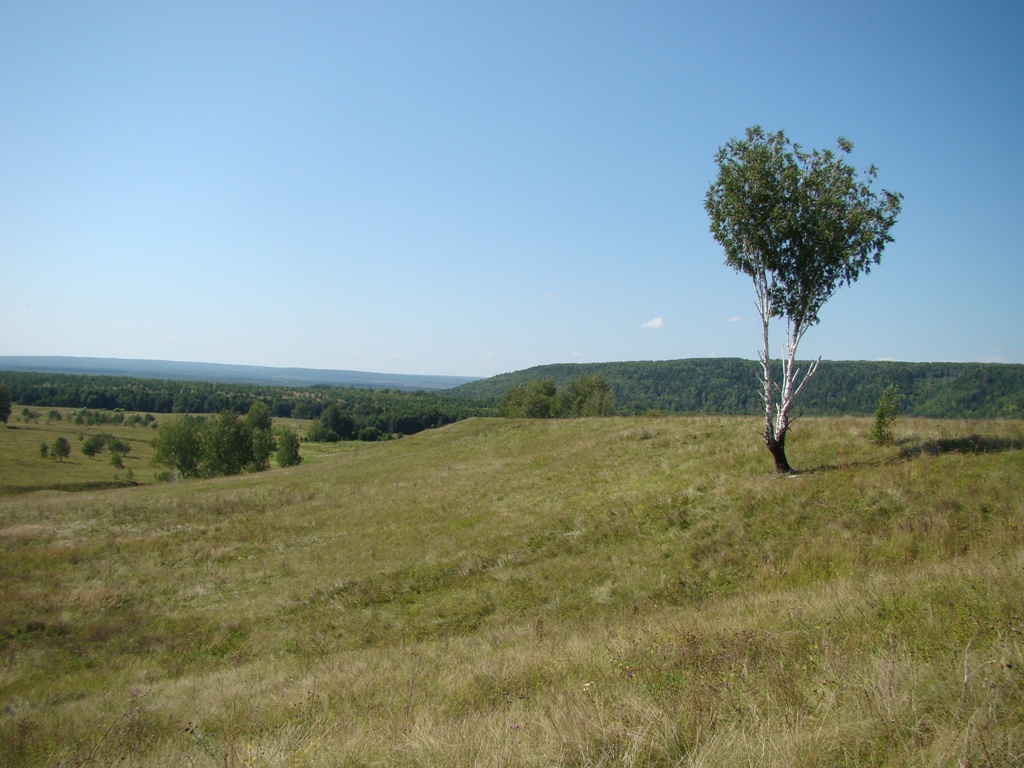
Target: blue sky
[{"x": 469, "y": 188}]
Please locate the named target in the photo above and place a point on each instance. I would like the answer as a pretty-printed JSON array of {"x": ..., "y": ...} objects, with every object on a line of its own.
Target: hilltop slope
[{"x": 586, "y": 592}]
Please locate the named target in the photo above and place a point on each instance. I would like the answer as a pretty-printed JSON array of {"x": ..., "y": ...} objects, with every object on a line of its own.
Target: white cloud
[
  {"x": 655, "y": 322},
  {"x": 735, "y": 319}
]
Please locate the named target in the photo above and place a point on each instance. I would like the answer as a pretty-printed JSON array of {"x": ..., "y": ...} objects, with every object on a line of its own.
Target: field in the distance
[
  {"x": 639, "y": 592},
  {"x": 22, "y": 469}
]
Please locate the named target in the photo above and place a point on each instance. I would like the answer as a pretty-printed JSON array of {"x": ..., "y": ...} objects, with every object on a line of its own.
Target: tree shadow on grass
[
  {"x": 969, "y": 444},
  {"x": 913, "y": 449},
  {"x": 833, "y": 467}
]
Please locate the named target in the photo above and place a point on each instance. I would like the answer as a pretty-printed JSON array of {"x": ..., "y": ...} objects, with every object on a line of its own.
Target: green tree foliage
[
  {"x": 263, "y": 446},
  {"x": 335, "y": 423},
  {"x": 886, "y": 413},
  {"x": 589, "y": 395},
  {"x": 5, "y": 402},
  {"x": 116, "y": 445},
  {"x": 288, "y": 444},
  {"x": 259, "y": 422},
  {"x": 369, "y": 434},
  {"x": 94, "y": 444},
  {"x": 61, "y": 449},
  {"x": 259, "y": 416},
  {"x": 102, "y": 441},
  {"x": 317, "y": 433},
  {"x": 44, "y": 450},
  {"x": 842, "y": 387},
  {"x": 715, "y": 386},
  {"x": 177, "y": 445},
  {"x": 536, "y": 399},
  {"x": 226, "y": 442},
  {"x": 388, "y": 410},
  {"x": 799, "y": 224},
  {"x": 586, "y": 395},
  {"x": 118, "y": 450}
]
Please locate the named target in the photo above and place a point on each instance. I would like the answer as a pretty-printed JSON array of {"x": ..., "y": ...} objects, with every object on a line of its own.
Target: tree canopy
[
  {"x": 61, "y": 448},
  {"x": 224, "y": 444}
]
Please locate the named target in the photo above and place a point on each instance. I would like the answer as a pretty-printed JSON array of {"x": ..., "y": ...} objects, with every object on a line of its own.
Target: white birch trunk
[
  {"x": 792, "y": 382},
  {"x": 777, "y": 414}
]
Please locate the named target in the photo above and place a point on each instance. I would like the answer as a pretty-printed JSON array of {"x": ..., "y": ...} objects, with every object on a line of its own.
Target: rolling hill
[{"x": 591, "y": 592}]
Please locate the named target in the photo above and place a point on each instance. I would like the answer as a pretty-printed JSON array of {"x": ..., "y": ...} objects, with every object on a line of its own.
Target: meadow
[
  {"x": 22, "y": 469},
  {"x": 588, "y": 592}
]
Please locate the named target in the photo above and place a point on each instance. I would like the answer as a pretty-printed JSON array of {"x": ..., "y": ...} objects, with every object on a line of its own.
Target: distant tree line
[
  {"x": 723, "y": 386},
  {"x": 388, "y": 411},
  {"x": 717, "y": 386}
]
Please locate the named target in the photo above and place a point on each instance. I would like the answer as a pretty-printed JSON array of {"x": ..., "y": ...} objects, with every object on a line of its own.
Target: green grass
[
  {"x": 23, "y": 470},
  {"x": 629, "y": 592}
]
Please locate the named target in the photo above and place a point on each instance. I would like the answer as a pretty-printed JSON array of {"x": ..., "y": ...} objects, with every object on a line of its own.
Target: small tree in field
[
  {"x": 885, "y": 416},
  {"x": 177, "y": 446},
  {"x": 288, "y": 448},
  {"x": 799, "y": 224},
  {"x": 61, "y": 448}
]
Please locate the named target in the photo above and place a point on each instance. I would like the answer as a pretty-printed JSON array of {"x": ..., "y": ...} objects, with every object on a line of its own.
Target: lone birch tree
[{"x": 800, "y": 225}]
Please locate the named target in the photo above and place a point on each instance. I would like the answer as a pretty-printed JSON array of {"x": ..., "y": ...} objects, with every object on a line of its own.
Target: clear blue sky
[{"x": 469, "y": 188}]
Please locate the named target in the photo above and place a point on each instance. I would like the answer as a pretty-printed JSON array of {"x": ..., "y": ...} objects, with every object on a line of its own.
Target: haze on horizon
[{"x": 458, "y": 188}]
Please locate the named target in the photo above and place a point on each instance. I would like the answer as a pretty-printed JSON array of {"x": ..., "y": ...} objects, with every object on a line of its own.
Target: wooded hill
[
  {"x": 730, "y": 386},
  {"x": 389, "y": 411},
  {"x": 727, "y": 386}
]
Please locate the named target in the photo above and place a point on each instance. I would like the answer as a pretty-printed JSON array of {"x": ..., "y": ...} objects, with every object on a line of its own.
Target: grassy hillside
[{"x": 629, "y": 592}]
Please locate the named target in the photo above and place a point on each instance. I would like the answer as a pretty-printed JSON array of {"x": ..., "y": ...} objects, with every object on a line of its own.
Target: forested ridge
[
  {"x": 730, "y": 386},
  {"x": 389, "y": 411},
  {"x": 707, "y": 385}
]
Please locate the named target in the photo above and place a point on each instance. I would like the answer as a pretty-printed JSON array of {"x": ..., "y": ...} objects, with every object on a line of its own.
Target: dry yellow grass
[{"x": 597, "y": 592}]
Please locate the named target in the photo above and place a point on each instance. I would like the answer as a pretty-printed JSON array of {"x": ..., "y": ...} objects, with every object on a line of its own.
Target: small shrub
[{"x": 885, "y": 416}]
